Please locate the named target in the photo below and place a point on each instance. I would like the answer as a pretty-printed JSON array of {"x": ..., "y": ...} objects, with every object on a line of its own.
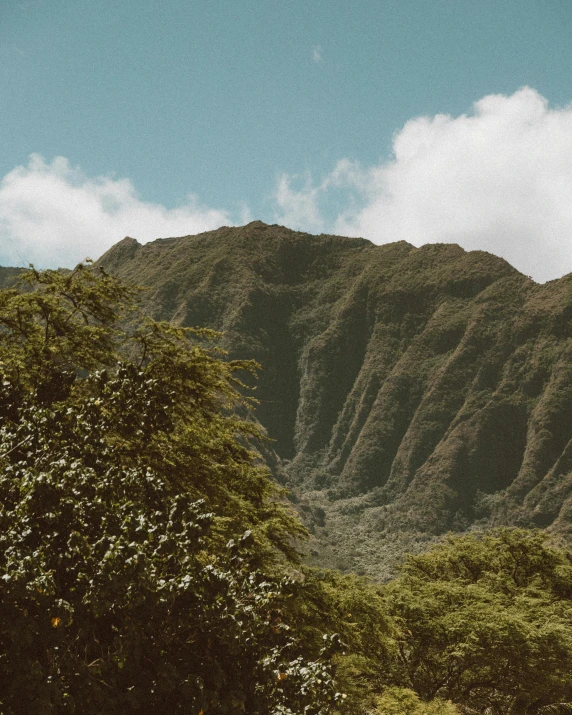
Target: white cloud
[
  {"x": 53, "y": 215},
  {"x": 317, "y": 54},
  {"x": 299, "y": 207},
  {"x": 498, "y": 179},
  {"x": 298, "y": 201}
]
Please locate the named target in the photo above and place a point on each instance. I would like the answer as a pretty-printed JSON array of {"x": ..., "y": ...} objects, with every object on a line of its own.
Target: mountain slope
[
  {"x": 410, "y": 391},
  {"x": 9, "y": 276}
]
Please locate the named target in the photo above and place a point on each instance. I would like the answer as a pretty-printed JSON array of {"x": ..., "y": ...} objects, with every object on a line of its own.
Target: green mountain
[
  {"x": 409, "y": 391},
  {"x": 8, "y": 276}
]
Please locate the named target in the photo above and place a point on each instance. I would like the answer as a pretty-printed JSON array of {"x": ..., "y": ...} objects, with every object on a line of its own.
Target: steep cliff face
[{"x": 409, "y": 391}]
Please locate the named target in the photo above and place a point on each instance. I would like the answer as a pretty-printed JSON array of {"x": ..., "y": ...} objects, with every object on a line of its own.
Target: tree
[
  {"x": 64, "y": 327},
  {"x": 484, "y": 620},
  {"x": 145, "y": 555},
  {"x": 356, "y": 609}
]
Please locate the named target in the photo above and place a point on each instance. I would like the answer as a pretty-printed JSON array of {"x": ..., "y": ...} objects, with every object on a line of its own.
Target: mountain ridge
[{"x": 409, "y": 391}]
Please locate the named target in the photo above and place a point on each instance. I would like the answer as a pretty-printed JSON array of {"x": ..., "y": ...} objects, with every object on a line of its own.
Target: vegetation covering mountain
[
  {"x": 9, "y": 276},
  {"x": 409, "y": 391},
  {"x": 148, "y": 562}
]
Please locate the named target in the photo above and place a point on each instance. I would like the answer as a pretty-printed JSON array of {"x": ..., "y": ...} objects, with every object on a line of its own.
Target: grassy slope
[{"x": 409, "y": 391}]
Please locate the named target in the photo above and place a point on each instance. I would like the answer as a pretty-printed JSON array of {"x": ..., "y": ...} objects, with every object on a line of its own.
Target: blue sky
[{"x": 179, "y": 111}]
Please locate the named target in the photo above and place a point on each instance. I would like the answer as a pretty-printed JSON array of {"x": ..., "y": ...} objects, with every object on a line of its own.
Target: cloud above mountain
[
  {"x": 498, "y": 179},
  {"x": 52, "y": 214}
]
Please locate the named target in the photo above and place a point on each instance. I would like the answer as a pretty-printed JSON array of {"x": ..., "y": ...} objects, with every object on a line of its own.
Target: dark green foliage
[
  {"x": 144, "y": 555},
  {"x": 359, "y": 613},
  {"x": 112, "y": 597}
]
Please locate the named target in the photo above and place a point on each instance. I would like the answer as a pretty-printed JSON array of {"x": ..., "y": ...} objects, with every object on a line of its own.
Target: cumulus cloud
[
  {"x": 52, "y": 215},
  {"x": 299, "y": 207},
  {"x": 497, "y": 179},
  {"x": 300, "y": 202}
]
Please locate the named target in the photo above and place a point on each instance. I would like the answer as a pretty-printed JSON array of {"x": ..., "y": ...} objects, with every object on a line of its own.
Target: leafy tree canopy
[
  {"x": 143, "y": 550},
  {"x": 485, "y": 621}
]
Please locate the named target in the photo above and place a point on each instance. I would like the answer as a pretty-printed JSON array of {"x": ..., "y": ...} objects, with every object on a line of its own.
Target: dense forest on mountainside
[
  {"x": 9, "y": 276},
  {"x": 150, "y": 564},
  {"x": 409, "y": 391}
]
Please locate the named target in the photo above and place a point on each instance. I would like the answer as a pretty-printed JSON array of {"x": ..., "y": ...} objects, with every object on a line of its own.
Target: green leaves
[
  {"x": 143, "y": 551},
  {"x": 402, "y": 701},
  {"x": 59, "y": 323},
  {"x": 486, "y": 621},
  {"x": 114, "y": 590}
]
